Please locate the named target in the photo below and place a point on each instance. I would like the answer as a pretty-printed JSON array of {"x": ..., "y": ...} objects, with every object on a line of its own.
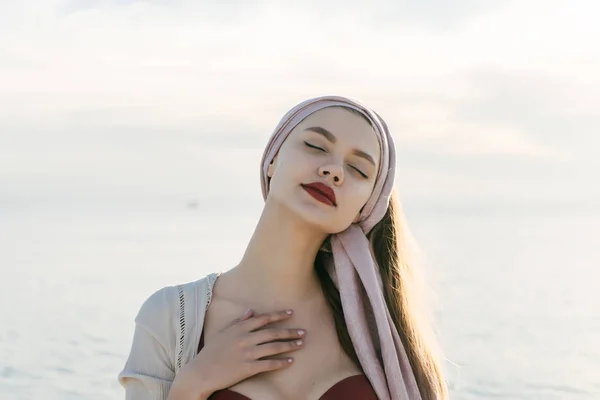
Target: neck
[{"x": 278, "y": 265}]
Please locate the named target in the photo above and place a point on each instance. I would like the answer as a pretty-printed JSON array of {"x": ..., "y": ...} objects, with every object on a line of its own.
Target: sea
[{"x": 516, "y": 311}]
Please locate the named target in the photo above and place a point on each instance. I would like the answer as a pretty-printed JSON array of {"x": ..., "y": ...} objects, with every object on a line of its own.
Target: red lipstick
[{"x": 321, "y": 192}]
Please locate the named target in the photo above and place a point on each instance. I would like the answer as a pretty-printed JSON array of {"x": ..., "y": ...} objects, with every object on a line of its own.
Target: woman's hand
[{"x": 240, "y": 350}]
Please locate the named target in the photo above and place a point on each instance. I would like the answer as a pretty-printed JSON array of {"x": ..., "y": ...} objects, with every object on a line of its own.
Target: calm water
[{"x": 519, "y": 294}]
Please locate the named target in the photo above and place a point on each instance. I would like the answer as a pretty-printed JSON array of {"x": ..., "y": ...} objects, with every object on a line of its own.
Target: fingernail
[
  {"x": 247, "y": 312},
  {"x": 299, "y": 342},
  {"x": 301, "y": 332},
  {"x": 288, "y": 312}
]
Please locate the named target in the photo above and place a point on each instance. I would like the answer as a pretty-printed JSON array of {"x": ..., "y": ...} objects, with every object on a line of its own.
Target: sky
[{"x": 489, "y": 102}]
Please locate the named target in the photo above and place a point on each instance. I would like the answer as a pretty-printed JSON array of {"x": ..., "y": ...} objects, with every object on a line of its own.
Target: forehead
[{"x": 350, "y": 128}]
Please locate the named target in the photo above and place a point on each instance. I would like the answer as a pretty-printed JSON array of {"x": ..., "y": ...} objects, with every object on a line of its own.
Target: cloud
[
  {"x": 429, "y": 14},
  {"x": 555, "y": 112},
  {"x": 131, "y": 96}
]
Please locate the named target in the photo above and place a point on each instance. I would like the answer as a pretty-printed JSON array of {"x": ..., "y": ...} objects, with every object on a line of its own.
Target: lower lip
[{"x": 318, "y": 195}]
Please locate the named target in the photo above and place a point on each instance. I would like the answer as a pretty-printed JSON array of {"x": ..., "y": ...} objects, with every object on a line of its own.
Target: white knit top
[{"x": 166, "y": 336}]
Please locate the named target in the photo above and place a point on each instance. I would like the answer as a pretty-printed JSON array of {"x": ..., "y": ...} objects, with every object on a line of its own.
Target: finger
[
  {"x": 258, "y": 321},
  {"x": 247, "y": 314},
  {"x": 270, "y": 335},
  {"x": 274, "y": 348},
  {"x": 271, "y": 365}
]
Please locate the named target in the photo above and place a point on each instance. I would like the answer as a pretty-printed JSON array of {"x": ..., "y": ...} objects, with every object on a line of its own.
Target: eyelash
[
  {"x": 323, "y": 150},
  {"x": 314, "y": 147}
]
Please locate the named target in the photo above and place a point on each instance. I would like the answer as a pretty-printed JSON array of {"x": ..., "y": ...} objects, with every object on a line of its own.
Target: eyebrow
[{"x": 331, "y": 137}]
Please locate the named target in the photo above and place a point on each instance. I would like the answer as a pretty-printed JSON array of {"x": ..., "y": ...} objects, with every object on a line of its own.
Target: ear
[{"x": 271, "y": 168}]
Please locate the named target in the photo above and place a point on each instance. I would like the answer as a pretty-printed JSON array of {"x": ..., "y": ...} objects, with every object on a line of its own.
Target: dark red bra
[{"x": 355, "y": 387}]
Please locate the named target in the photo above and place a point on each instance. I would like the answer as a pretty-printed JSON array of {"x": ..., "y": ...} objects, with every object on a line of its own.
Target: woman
[{"x": 329, "y": 249}]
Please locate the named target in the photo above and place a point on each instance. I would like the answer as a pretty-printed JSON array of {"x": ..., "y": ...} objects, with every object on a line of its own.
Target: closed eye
[
  {"x": 323, "y": 150},
  {"x": 313, "y": 146},
  {"x": 359, "y": 171}
]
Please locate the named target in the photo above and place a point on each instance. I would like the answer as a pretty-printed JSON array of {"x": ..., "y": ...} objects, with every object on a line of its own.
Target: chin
[
  {"x": 323, "y": 220},
  {"x": 321, "y": 216}
]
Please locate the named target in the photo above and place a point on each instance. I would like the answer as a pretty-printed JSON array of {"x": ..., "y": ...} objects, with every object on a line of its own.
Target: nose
[{"x": 333, "y": 173}]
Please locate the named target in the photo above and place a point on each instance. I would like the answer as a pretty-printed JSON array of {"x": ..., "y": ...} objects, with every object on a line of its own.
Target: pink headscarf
[{"x": 379, "y": 348}]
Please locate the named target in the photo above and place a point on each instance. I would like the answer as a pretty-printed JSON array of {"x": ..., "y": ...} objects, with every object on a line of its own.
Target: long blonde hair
[{"x": 403, "y": 291}]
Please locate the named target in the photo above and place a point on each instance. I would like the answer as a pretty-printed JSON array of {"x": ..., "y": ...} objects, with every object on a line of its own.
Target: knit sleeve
[{"x": 149, "y": 370}]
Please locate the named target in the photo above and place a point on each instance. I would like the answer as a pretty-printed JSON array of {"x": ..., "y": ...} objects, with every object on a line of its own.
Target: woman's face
[{"x": 332, "y": 147}]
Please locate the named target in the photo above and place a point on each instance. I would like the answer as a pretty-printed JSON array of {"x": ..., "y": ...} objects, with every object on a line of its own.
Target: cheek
[
  {"x": 357, "y": 197},
  {"x": 293, "y": 167},
  {"x": 288, "y": 174}
]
